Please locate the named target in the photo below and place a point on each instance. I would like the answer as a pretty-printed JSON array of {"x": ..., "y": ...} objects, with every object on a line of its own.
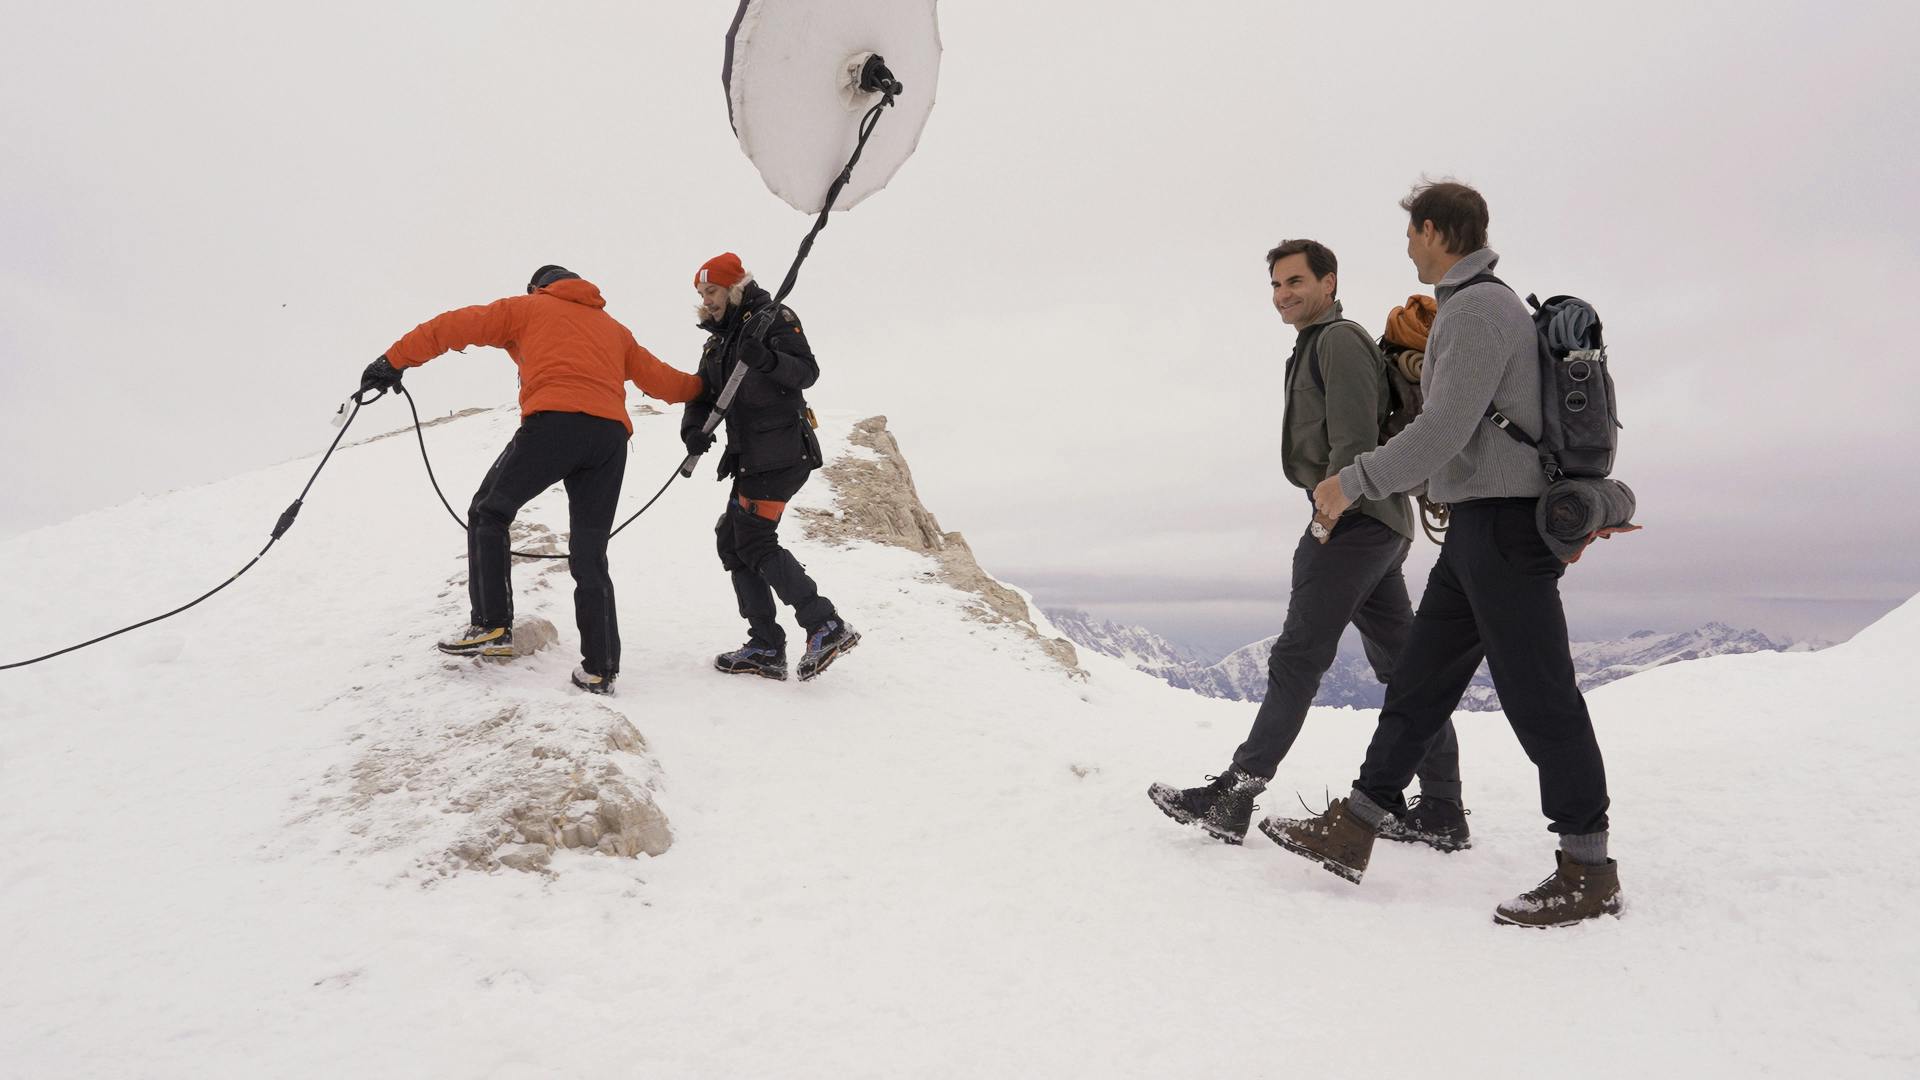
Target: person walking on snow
[
  {"x": 574, "y": 360},
  {"x": 1495, "y": 592},
  {"x": 771, "y": 450},
  {"x": 1337, "y": 398}
]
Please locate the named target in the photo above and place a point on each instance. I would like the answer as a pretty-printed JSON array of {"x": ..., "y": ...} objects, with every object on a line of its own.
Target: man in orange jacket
[{"x": 574, "y": 362}]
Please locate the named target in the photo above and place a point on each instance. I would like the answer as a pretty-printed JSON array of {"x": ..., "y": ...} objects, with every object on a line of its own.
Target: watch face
[{"x": 1319, "y": 531}]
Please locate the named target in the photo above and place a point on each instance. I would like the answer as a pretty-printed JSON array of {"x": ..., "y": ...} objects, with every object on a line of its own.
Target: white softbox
[{"x": 792, "y": 78}]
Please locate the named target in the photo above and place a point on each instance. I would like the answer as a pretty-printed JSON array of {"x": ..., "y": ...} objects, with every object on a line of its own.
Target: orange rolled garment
[{"x": 1409, "y": 325}]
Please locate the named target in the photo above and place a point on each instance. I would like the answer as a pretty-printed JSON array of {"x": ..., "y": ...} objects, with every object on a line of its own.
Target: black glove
[
  {"x": 753, "y": 340},
  {"x": 697, "y": 442},
  {"x": 759, "y": 324},
  {"x": 381, "y": 376}
]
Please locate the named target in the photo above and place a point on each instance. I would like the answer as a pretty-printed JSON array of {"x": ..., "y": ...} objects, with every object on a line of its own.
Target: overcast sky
[{"x": 216, "y": 213}]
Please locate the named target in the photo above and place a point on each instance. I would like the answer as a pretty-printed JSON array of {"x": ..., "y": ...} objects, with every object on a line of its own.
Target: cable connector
[{"x": 286, "y": 519}]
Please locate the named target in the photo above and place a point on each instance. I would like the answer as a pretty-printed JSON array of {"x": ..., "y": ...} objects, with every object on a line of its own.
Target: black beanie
[{"x": 549, "y": 274}]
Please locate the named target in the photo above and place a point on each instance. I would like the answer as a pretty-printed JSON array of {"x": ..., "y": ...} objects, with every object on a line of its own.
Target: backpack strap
[
  {"x": 1500, "y": 419},
  {"x": 1314, "y": 371}
]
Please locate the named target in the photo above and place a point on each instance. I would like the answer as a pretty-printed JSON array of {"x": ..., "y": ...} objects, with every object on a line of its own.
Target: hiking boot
[
  {"x": 591, "y": 683},
  {"x": 825, "y": 645},
  {"x": 1440, "y": 824},
  {"x": 1223, "y": 808},
  {"x": 751, "y": 659},
  {"x": 492, "y": 643},
  {"x": 1575, "y": 893},
  {"x": 1334, "y": 838}
]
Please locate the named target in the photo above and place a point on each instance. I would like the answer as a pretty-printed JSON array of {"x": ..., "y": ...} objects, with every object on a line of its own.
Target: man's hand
[
  {"x": 380, "y": 375},
  {"x": 759, "y": 324},
  {"x": 1329, "y": 499},
  {"x": 697, "y": 442},
  {"x": 753, "y": 340}
]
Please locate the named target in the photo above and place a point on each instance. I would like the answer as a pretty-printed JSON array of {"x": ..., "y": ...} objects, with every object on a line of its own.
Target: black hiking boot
[
  {"x": 751, "y": 659},
  {"x": 1223, "y": 808},
  {"x": 825, "y": 645},
  {"x": 1575, "y": 893},
  {"x": 1334, "y": 838},
  {"x": 1439, "y": 823},
  {"x": 591, "y": 683},
  {"x": 490, "y": 643}
]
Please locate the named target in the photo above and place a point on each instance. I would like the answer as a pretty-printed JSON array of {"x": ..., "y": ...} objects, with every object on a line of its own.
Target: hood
[{"x": 576, "y": 291}]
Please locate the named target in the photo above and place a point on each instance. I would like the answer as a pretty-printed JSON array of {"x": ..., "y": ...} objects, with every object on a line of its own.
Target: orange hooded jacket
[{"x": 573, "y": 356}]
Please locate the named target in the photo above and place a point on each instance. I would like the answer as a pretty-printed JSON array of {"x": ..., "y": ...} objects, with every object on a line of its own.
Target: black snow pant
[
  {"x": 1495, "y": 593},
  {"x": 749, "y": 545},
  {"x": 589, "y": 455},
  {"x": 1352, "y": 578}
]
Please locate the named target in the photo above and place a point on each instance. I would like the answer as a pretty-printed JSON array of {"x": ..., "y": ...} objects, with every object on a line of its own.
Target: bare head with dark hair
[
  {"x": 1447, "y": 220},
  {"x": 1305, "y": 280}
]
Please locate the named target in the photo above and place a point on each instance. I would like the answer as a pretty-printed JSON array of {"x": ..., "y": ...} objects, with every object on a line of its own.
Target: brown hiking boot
[
  {"x": 1334, "y": 838},
  {"x": 1575, "y": 893}
]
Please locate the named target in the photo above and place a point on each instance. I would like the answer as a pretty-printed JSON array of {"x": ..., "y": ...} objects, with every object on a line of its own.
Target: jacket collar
[
  {"x": 1478, "y": 262},
  {"x": 1334, "y": 313}
]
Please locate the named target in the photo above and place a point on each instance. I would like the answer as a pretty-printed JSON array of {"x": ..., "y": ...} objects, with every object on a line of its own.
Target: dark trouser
[
  {"x": 589, "y": 455},
  {"x": 750, "y": 550},
  {"x": 1352, "y": 578},
  {"x": 1495, "y": 593}
]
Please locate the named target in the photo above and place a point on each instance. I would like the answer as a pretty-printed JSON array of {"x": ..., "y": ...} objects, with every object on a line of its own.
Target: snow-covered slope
[{"x": 229, "y": 835}]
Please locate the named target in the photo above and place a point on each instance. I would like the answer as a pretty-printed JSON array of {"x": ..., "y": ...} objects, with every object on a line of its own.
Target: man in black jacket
[{"x": 771, "y": 450}]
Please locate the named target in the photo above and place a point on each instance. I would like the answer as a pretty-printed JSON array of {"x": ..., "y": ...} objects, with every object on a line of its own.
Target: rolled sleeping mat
[{"x": 1572, "y": 512}]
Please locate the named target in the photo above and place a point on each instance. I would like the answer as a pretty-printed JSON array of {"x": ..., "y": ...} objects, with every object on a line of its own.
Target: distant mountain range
[{"x": 1241, "y": 675}]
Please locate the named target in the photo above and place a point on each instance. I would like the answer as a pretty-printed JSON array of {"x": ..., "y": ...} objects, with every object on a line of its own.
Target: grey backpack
[{"x": 1576, "y": 390}]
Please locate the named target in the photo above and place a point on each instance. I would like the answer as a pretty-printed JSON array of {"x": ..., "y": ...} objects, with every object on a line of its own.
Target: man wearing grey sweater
[
  {"x": 1337, "y": 396},
  {"x": 1495, "y": 591}
]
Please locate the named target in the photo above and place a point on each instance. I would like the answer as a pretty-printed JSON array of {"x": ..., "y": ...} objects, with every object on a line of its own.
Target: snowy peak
[
  {"x": 1136, "y": 646},
  {"x": 1242, "y": 674}
]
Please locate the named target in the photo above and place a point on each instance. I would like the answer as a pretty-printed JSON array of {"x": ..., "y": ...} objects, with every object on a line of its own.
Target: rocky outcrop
[
  {"x": 875, "y": 500},
  {"x": 505, "y": 789}
]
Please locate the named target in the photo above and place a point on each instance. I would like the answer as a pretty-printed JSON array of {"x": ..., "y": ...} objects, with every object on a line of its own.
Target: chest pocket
[{"x": 1306, "y": 401}]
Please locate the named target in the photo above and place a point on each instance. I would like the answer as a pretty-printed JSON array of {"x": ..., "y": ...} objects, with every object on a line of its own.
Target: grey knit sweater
[{"x": 1481, "y": 351}]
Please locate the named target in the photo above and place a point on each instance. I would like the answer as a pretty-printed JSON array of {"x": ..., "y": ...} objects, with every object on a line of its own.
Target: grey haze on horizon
[{"x": 216, "y": 213}]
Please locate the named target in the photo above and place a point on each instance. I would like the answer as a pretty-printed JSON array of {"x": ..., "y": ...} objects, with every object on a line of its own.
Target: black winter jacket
[{"x": 767, "y": 427}]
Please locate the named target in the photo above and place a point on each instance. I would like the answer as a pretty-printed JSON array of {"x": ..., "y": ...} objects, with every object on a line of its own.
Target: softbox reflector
[{"x": 792, "y": 79}]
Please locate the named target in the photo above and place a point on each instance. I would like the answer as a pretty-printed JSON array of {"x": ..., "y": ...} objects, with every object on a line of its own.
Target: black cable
[
  {"x": 867, "y": 124},
  {"x": 279, "y": 529},
  {"x": 435, "y": 481}
]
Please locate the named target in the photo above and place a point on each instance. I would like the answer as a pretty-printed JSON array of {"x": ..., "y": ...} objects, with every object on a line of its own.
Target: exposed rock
[
  {"x": 424, "y": 424},
  {"x": 876, "y": 501},
  {"x": 510, "y": 787},
  {"x": 532, "y": 634}
]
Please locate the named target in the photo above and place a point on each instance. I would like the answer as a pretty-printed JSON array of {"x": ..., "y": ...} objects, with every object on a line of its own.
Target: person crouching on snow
[
  {"x": 574, "y": 360},
  {"x": 771, "y": 450}
]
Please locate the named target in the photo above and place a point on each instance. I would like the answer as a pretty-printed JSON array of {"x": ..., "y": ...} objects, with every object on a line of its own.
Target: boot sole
[
  {"x": 483, "y": 653},
  {"x": 827, "y": 658},
  {"x": 1444, "y": 846},
  {"x": 1502, "y": 920},
  {"x": 777, "y": 676},
  {"x": 1339, "y": 870},
  {"x": 1185, "y": 818}
]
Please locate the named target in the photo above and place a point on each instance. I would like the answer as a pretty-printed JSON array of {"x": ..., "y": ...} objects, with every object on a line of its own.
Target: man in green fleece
[{"x": 1337, "y": 397}]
